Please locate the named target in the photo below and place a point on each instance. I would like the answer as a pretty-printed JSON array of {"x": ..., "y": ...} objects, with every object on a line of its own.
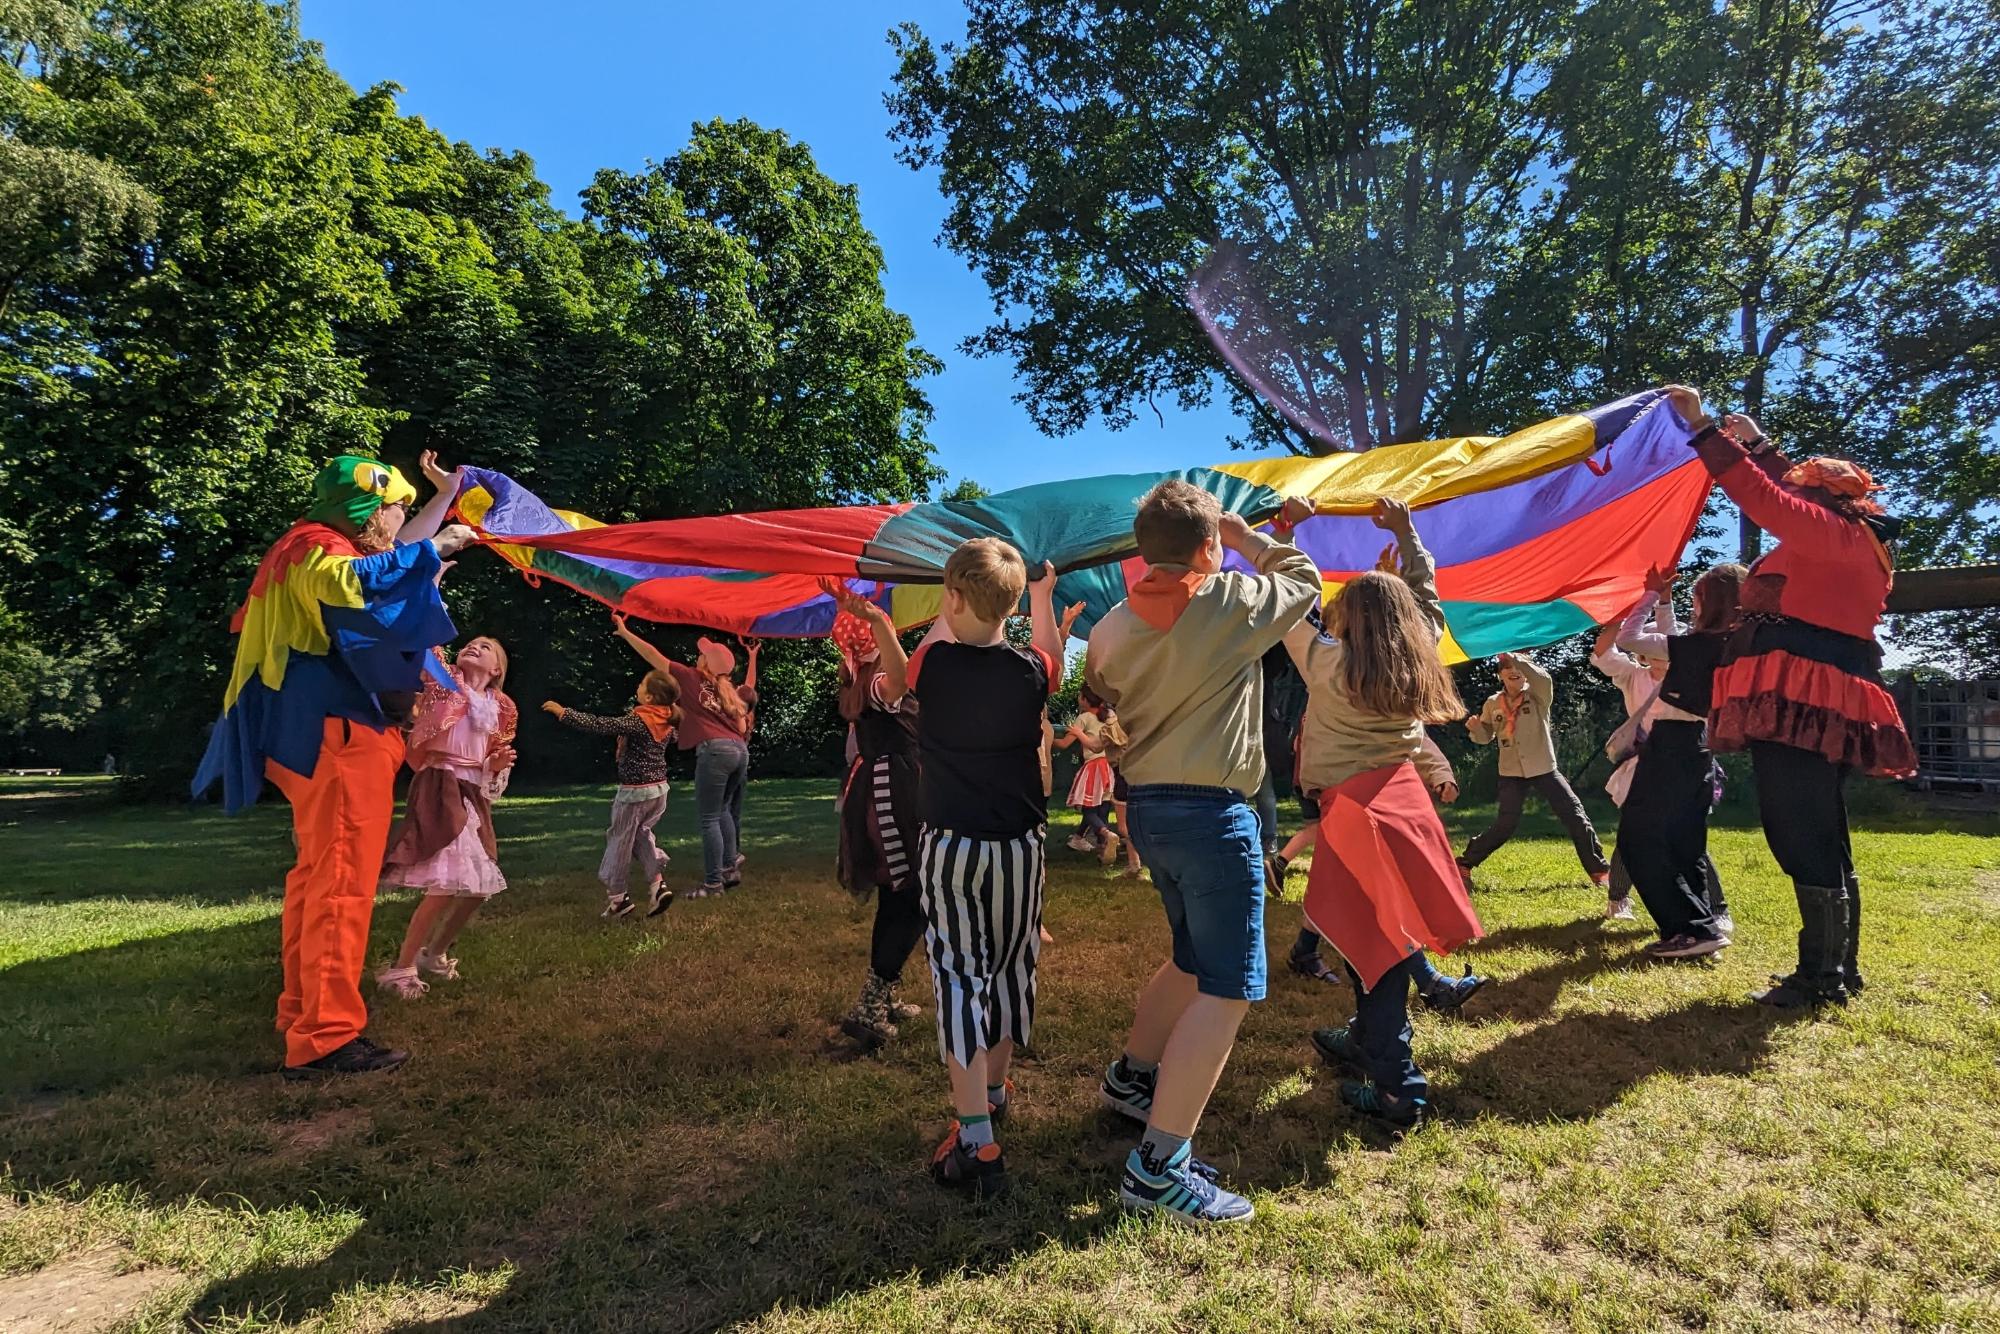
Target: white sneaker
[
  {"x": 1078, "y": 843},
  {"x": 1618, "y": 910},
  {"x": 402, "y": 983},
  {"x": 440, "y": 966},
  {"x": 1725, "y": 924}
]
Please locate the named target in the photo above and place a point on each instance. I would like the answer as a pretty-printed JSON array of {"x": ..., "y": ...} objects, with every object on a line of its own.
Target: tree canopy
[{"x": 220, "y": 265}]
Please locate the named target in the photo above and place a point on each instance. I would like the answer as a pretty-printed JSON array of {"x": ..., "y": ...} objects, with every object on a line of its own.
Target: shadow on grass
[
  {"x": 641, "y": 1161},
  {"x": 1580, "y": 1064}
]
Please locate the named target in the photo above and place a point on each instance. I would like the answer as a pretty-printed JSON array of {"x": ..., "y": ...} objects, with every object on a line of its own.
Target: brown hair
[
  {"x": 1175, "y": 521},
  {"x": 1392, "y": 667},
  {"x": 1717, "y": 595},
  {"x": 989, "y": 574},
  {"x": 658, "y": 687}
]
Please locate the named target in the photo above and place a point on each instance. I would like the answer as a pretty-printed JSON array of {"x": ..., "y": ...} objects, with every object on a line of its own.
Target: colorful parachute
[{"x": 1537, "y": 535}]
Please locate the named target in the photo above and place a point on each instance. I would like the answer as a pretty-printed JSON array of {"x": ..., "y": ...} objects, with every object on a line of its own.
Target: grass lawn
[{"x": 646, "y": 1127}]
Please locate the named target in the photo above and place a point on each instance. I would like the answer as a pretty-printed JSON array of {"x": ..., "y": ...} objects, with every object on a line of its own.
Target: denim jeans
[
  {"x": 1207, "y": 859},
  {"x": 720, "y": 768}
]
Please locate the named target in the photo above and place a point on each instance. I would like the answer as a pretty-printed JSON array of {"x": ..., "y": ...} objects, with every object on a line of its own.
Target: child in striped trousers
[{"x": 981, "y": 862}]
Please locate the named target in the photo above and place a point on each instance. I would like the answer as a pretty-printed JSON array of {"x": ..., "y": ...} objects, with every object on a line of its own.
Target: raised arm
[
  {"x": 1419, "y": 570},
  {"x": 1049, "y": 635},
  {"x": 895, "y": 663},
  {"x": 1288, "y": 583},
  {"x": 1541, "y": 686},
  {"x": 426, "y": 521},
  {"x": 1812, "y": 529},
  {"x": 655, "y": 659},
  {"x": 624, "y": 724}
]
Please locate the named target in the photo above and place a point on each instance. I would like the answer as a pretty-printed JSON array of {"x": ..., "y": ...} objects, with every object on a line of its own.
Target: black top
[
  {"x": 1691, "y": 664},
  {"x": 979, "y": 736},
  {"x": 642, "y": 761},
  {"x": 878, "y": 731}
]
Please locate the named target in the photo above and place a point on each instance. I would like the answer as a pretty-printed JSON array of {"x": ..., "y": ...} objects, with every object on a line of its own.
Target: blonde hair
[
  {"x": 499, "y": 680},
  {"x": 1176, "y": 520},
  {"x": 1392, "y": 667},
  {"x": 989, "y": 574},
  {"x": 1718, "y": 595}
]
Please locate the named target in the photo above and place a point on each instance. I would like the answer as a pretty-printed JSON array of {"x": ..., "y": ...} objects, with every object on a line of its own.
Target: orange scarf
[
  {"x": 1510, "y": 705},
  {"x": 659, "y": 720},
  {"x": 1161, "y": 597}
]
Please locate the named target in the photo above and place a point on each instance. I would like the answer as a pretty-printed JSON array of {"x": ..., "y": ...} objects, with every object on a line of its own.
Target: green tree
[{"x": 762, "y": 366}]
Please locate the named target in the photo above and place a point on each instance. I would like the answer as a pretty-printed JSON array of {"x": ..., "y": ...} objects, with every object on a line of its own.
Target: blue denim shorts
[{"x": 1207, "y": 859}]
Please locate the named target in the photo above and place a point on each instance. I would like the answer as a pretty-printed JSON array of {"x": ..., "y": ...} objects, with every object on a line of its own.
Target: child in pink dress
[
  {"x": 1096, "y": 729},
  {"x": 460, "y": 753}
]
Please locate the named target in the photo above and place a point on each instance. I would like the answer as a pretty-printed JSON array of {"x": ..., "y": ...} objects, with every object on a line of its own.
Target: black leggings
[
  {"x": 1562, "y": 800},
  {"x": 1663, "y": 830},
  {"x": 1802, "y": 802},
  {"x": 899, "y": 925},
  {"x": 1094, "y": 821}
]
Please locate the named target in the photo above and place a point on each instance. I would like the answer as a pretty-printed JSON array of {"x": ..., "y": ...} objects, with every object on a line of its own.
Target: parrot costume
[{"x": 332, "y": 645}]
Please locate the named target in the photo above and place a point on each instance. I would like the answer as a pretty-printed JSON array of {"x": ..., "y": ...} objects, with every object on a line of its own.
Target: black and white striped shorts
[{"x": 983, "y": 908}]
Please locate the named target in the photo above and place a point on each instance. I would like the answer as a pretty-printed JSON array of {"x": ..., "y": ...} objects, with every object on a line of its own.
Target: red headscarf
[
  {"x": 853, "y": 636},
  {"x": 1837, "y": 477}
]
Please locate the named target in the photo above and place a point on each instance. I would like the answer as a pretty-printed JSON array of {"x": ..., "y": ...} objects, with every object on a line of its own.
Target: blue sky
[{"x": 613, "y": 84}]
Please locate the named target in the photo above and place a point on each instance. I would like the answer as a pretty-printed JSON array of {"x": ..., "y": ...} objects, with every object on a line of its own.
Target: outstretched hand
[
  {"x": 1296, "y": 511},
  {"x": 1068, "y": 622},
  {"x": 454, "y": 539},
  {"x": 1659, "y": 580},
  {"x": 1391, "y": 515},
  {"x": 850, "y": 601},
  {"x": 436, "y": 474},
  {"x": 553, "y": 709},
  {"x": 1391, "y": 559},
  {"x": 1687, "y": 402}
]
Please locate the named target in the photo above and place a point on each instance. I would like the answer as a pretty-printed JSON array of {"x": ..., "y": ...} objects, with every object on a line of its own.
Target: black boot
[
  {"x": 1850, "y": 964},
  {"x": 1822, "y": 943}
]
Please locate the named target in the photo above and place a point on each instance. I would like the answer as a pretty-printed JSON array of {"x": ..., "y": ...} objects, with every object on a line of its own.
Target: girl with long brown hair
[
  {"x": 1384, "y": 886},
  {"x": 1663, "y": 825}
]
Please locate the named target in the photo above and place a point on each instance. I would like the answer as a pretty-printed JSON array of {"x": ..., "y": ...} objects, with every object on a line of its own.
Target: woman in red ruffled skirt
[{"x": 1799, "y": 684}]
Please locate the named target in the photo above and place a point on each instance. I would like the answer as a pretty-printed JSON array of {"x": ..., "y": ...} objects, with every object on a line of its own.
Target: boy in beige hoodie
[{"x": 1180, "y": 661}]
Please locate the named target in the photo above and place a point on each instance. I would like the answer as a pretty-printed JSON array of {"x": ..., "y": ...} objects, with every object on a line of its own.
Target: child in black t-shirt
[{"x": 979, "y": 737}]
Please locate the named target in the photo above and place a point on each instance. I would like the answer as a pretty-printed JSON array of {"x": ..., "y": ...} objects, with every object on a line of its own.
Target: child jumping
[
  {"x": 1384, "y": 888},
  {"x": 1179, "y": 659},
  {"x": 981, "y": 860},
  {"x": 644, "y": 736},
  {"x": 460, "y": 753},
  {"x": 1663, "y": 830},
  {"x": 1096, "y": 729},
  {"x": 1517, "y": 716}
]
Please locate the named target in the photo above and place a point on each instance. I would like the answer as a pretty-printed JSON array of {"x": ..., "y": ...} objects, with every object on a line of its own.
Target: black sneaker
[
  {"x": 1791, "y": 994},
  {"x": 357, "y": 1056},
  {"x": 983, "y": 1170},
  {"x": 1337, "y": 1047},
  {"x": 662, "y": 898},
  {"x": 619, "y": 908},
  {"x": 1449, "y": 995}
]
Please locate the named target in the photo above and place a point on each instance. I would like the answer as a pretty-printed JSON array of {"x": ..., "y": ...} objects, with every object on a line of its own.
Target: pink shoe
[
  {"x": 440, "y": 966},
  {"x": 402, "y": 983}
]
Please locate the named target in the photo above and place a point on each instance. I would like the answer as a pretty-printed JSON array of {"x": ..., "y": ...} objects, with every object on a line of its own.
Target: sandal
[{"x": 1315, "y": 968}]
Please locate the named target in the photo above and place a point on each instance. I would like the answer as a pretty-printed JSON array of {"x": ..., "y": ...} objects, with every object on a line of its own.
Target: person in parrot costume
[{"x": 332, "y": 645}]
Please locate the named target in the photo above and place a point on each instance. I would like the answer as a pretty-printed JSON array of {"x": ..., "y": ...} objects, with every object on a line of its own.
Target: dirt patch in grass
[
  {"x": 302, "y": 1139},
  {"x": 90, "y": 1291}
]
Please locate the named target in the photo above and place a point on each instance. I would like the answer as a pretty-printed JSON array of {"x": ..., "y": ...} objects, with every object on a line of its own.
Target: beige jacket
[
  {"x": 1531, "y": 751},
  {"x": 1337, "y": 740},
  {"x": 1187, "y": 682}
]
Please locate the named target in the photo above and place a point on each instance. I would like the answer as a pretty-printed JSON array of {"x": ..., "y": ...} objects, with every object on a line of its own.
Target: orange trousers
[{"x": 341, "y": 818}]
